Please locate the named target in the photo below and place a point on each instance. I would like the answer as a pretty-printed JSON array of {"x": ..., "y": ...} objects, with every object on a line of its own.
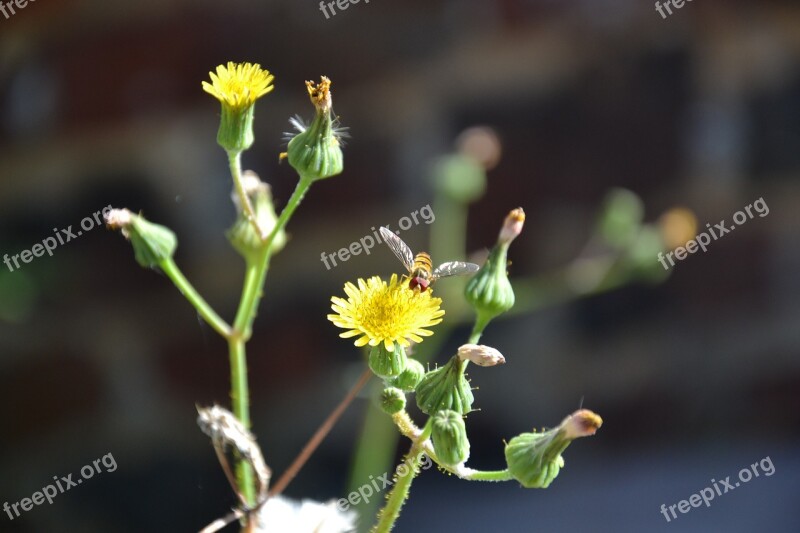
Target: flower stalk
[{"x": 399, "y": 493}]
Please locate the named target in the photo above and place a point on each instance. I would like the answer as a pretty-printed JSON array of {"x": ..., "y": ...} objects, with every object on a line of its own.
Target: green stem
[
  {"x": 407, "y": 428},
  {"x": 399, "y": 493},
  {"x": 235, "y": 163},
  {"x": 489, "y": 475},
  {"x": 481, "y": 321},
  {"x": 254, "y": 277},
  {"x": 377, "y": 443},
  {"x": 256, "y": 272},
  {"x": 465, "y": 473},
  {"x": 252, "y": 291},
  {"x": 174, "y": 273},
  {"x": 240, "y": 398}
]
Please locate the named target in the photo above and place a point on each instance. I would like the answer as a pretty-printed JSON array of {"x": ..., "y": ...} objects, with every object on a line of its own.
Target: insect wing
[
  {"x": 454, "y": 268},
  {"x": 400, "y": 249}
]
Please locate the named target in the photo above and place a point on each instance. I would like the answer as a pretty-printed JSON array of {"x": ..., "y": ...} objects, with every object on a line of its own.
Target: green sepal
[
  {"x": 235, "y": 132},
  {"x": 534, "y": 459},
  {"x": 387, "y": 364},
  {"x": 392, "y": 400},
  {"x": 410, "y": 377},
  {"x": 489, "y": 291},
  {"x": 449, "y": 436},
  {"x": 152, "y": 243},
  {"x": 445, "y": 388},
  {"x": 316, "y": 153}
]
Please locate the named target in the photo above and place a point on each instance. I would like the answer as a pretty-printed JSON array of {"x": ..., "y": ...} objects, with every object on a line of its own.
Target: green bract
[
  {"x": 489, "y": 291},
  {"x": 445, "y": 388},
  {"x": 387, "y": 363},
  {"x": 235, "y": 132},
  {"x": 411, "y": 376},
  {"x": 449, "y": 436},
  {"x": 152, "y": 243},
  {"x": 393, "y": 400},
  {"x": 534, "y": 459},
  {"x": 315, "y": 152}
]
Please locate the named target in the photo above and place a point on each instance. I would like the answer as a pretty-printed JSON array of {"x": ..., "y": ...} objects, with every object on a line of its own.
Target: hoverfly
[{"x": 420, "y": 269}]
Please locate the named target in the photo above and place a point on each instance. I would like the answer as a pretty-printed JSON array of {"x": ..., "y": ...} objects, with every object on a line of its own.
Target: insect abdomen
[{"x": 422, "y": 261}]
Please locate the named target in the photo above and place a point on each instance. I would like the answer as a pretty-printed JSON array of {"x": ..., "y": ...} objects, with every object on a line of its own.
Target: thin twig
[
  {"x": 226, "y": 467},
  {"x": 320, "y": 435},
  {"x": 219, "y": 523}
]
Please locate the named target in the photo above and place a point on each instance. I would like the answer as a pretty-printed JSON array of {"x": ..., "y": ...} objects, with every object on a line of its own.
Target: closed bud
[
  {"x": 152, "y": 243},
  {"x": 460, "y": 177},
  {"x": 242, "y": 235},
  {"x": 481, "y": 355},
  {"x": 621, "y": 217},
  {"x": 512, "y": 226},
  {"x": 316, "y": 152},
  {"x": 534, "y": 459},
  {"x": 445, "y": 388},
  {"x": 489, "y": 291},
  {"x": 393, "y": 400},
  {"x": 639, "y": 255},
  {"x": 449, "y": 436},
  {"x": 387, "y": 364},
  {"x": 410, "y": 377}
]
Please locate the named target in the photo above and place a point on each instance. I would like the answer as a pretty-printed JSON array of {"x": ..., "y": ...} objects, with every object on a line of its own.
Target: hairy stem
[
  {"x": 399, "y": 493},
  {"x": 174, "y": 273},
  {"x": 240, "y": 398},
  {"x": 408, "y": 429},
  {"x": 256, "y": 272},
  {"x": 252, "y": 291}
]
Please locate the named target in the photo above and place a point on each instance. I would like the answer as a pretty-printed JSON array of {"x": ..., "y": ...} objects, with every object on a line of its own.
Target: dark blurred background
[{"x": 696, "y": 375}]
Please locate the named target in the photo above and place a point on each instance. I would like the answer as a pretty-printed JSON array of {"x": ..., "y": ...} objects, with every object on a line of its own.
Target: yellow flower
[
  {"x": 239, "y": 85},
  {"x": 387, "y": 313}
]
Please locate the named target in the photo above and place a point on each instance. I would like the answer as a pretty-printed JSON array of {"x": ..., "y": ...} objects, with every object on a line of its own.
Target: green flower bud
[
  {"x": 410, "y": 377},
  {"x": 385, "y": 363},
  {"x": 489, "y": 291},
  {"x": 648, "y": 244},
  {"x": 445, "y": 388},
  {"x": 621, "y": 217},
  {"x": 449, "y": 436},
  {"x": 151, "y": 243},
  {"x": 316, "y": 152},
  {"x": 242, "y": 235},
  {"x": 460, "y": 177},
  {"x": 534, "y": 459},
  {"x": 393, "y": 400}
]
